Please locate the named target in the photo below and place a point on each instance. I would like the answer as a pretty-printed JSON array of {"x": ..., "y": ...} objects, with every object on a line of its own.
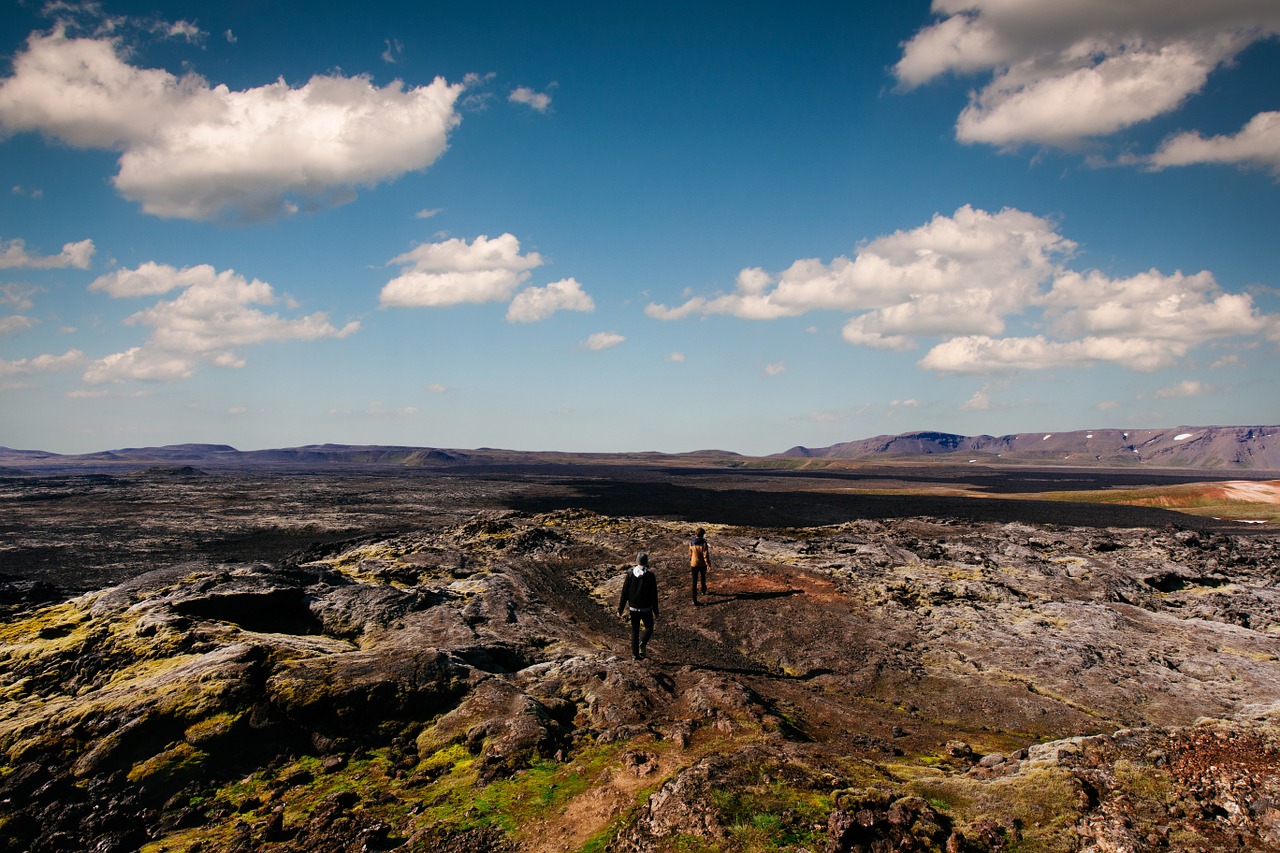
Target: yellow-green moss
[
  {"x": 1045, "y": 802},
  {"x": 178, "y": 762},
  {"x": 212, "y": 728}
]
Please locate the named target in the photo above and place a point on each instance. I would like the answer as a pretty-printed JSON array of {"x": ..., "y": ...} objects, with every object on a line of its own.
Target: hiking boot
[{"x": 642, "y": 650}]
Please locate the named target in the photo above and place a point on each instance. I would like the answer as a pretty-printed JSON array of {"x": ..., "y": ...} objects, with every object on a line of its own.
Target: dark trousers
[
  {"x": 638, "y": 616},
  {"x": 698, "y": 573}
]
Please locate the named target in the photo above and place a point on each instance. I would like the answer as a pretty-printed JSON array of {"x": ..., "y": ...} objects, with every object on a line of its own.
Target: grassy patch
[
  {"x": 773, "y": 816},
  {"x": 1044, "y": 802}
]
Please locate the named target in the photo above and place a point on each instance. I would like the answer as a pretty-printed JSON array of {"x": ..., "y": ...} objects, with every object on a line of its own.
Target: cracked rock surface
[{"x": 462, "y": 682}]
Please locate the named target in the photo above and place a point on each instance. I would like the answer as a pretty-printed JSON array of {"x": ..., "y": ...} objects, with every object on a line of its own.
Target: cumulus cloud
[
  {"x": 602, "y": 341},
  {"x": 539, "y": 303},
  {"x": 955, "y": 274},
  {"x": 455, "y": 272},
  {"x": 145, "y": 364},
  {"x": 193, "y": 150},
  {"x": 1182, "y": 309},
  {"x": 14, "y": 255},
  {"x": 965, "y": 278},
  {"x": 1257, "y": 144},
  {"x": 207, "y": 321},
  {"x": 1065, "y": 72},
  {"x": 539, "y": 101},
  {"x": 151, "y": 279},
  {"x": 69, "y": 360}
]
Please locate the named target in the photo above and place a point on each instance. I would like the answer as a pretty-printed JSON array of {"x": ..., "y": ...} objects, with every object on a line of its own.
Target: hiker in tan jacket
[{"x": 699, "y": 562}]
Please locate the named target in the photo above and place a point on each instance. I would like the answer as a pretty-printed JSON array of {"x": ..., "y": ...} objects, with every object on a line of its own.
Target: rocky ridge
[
  {"x": 910, "y": 684},
  {"x": 1204, "y": 447}
]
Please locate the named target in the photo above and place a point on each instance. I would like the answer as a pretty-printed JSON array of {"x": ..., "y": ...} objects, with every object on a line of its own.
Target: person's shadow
[{"x": 727, "y": 597}]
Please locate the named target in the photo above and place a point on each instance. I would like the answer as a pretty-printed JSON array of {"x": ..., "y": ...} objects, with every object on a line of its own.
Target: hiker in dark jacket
[
  {"x": 699, "y": 562},
  {"x": 640, "y": 594}
]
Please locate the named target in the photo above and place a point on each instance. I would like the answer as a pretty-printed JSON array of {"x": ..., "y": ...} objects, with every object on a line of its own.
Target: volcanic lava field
[{"x": 889, "y": 658}]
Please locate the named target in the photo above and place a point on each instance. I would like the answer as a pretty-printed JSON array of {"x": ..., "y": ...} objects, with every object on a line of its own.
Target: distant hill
[
  {"x": 1213, "y": 447},
  {"x": 1253, "y": 447},
  {"x": 214, "y": 456}
]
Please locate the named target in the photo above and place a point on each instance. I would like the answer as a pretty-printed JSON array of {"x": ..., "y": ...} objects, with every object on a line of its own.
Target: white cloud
[
  {"x": 1185, "y": 388},
  {"x": 955, "y": 274},
  {"x": 539, "y": 303},
  {"x": 211, "y": 317},
  {"x": 17, "y": 295},
  {"x": 602, "y": 341},
  {"x": 152, "y": 279},
  {"x": 15, "y": 323},
  {"x": 775, "y": 369},
  {"x": 146, "y": 364},
  {"x": 14, "y": 255},
  {"x": 428, "y": 212},
  {"x": 676, "y": 358},
  {"x": 183, "y": 30},
  {"x": 1063, "y": 72},
  {"x": 455, "y": 272},
  {"x": 1178, "y": 308},
  {"x": 198, "y": 151},
  {"x": 69, "y": 360},
  {"x": 979, "y": 402},
  {"x": 963, "y": 278},
  {"x": 539, "y": 101},
  {"x": 1257, "y": 144},
  {"x": 980, "y": 354}
]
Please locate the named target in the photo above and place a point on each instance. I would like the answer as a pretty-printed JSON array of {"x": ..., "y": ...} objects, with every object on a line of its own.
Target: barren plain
[{"x": 889, "y": 658}]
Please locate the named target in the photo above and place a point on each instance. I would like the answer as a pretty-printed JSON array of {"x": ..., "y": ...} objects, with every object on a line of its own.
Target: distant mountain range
[
  {"x": 1253, "y": 447},
  {"x": 1212, "y": 447}
]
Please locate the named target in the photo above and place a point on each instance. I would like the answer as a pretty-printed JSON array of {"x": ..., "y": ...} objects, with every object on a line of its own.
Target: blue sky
[{"x": 634, "y": 226}]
